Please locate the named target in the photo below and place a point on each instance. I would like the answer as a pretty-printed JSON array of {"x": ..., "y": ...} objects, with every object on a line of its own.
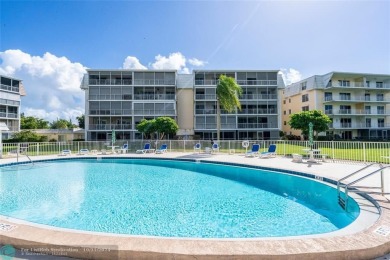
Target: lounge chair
[
  {"x": 197, "y": 147},
  {"x": 66, "y": 152},
  {"x": 145, "y": 150},
  {"x": 254, "y": 151},
  {"x": 163, "y": 149},
  {"x": 271, "y": 152},
  {"x": 215, "y": 148},
  {"x": 83, "y": 151},
  {"x": 124, "y": 148}
]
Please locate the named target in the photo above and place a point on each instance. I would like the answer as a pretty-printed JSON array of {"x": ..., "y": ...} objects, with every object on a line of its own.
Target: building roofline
[
  {"x": 4, "y": 76},
  {"x": 131, "y": 70},
  {"x": 358, "y": 73},
  {"x": 240, "y": 70}
]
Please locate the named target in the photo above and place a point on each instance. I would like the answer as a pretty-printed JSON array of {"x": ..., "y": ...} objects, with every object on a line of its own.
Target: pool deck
[{"x": 361, "y": 242}]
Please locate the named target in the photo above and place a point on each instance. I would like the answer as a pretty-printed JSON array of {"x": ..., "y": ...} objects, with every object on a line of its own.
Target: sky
[{"x": 50, "y": 44}]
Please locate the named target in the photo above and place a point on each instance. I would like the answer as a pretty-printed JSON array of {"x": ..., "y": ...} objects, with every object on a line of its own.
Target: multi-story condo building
[
  {"x": 120, "y": 99},
  {"x": 258, "y": 118},
  {"x": 357, "y": 103},
  {"x": 11, "y": 90}
]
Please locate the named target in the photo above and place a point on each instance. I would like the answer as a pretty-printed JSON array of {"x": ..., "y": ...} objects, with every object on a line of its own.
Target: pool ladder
[
  {"x": 23, "y": 151},
  {"x": 343, "y": 202}
]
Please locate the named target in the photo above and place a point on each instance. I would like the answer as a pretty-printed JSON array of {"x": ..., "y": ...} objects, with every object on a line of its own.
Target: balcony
[
  {"x": 170, "y": 112},
  {"x": 357, "y": 125},
  {"x": 214, "y": 126},
  {"x": 110, "y": 127},
  {"x": 357, "y": 99},
  {"x": 110, "y": 97},
  {"x": 9, "y": 88},
  {"x": 153, "y": 82},
  {"x": 206, "y": 96},
  {"x": 154, "y": 96},
  {"x": 110, "y": 81},
  {"x": 8, "y": 115},
  {"x": 356, "y": 112},
  {"x": 105, "y": 112},
  {"x": 259, "y": 96},
  {"x": 259, "y": 111},
  {"x": 207, "y": 82},
  {"x": 257, "y": 125},
  {"x": 360, "y": 85},
  {"x": 257, "y": 82}
]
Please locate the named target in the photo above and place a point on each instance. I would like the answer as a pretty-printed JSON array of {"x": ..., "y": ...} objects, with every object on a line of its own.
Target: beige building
[
  {"x": 61, "y": 135},
  {"x": 357, "y": 103}
]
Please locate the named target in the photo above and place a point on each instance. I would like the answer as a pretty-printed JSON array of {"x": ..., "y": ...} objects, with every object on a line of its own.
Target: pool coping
[{"x": 366, "y": 244}]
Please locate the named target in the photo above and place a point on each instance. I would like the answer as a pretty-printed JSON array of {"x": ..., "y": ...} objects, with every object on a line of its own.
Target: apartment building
[
  {"x": 357, "y": 103},
  {"x": 119, "y": 99},
  {"x": 11, "y": 90},
  {"x": 258, "y": 118}
]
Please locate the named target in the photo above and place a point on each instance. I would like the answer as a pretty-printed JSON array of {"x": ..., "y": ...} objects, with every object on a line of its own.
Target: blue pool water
[{"x": 170, "y": 198}]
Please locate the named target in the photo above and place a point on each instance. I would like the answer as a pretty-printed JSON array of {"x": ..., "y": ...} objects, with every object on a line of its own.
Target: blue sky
[{"x": 302, "y": 37}]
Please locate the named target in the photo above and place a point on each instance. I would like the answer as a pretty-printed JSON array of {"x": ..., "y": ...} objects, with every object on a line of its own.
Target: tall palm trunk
[{"x": 218, "y": 121}]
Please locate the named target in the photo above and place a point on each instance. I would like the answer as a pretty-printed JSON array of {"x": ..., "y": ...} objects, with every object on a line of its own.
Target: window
[
  {"x": 344, "y": 83},
  {"x": 284, "y": 102},
  {"x": 367, "y": 97},
  {"x": 285, "y": 123},
  {"x": 284, "y": 112},
  {"x": 367, "y": 83},
  {"x": 345, "y": 96},
  {"x": 328, "y": 109},
  {"x": 367, "y": 110},
  {"x": 289, "y": 100},
  {"x": 305, "y": 98},
  {"x": 368, "y": 122},
  {"x": 381, "y": 110},
  {"x": 379, "y": 84},
  {"x": 346, "y": 122},
  {"x": 305, "y": 108},
  {"x": 381, "y": 122},
  {"x": 289, "y": 111},
  {"x": 303, "y": 85},
  {"x": 328, "y": 96},
  {"x": 379, "y": 97},
  {"x": 345, "y": 109}
]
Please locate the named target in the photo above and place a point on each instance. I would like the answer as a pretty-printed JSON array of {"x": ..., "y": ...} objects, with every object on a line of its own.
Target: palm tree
[{"x": 228, "y": 92}]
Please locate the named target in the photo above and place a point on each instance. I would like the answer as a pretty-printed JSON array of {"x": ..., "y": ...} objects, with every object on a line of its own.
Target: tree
[
  {"x": 81, "y": 121},
  {"x": 300, "y": 121},
  {"x": 228, "y": 92},
  {"x": 31, "y": 122},
  {"x": 165, "y": 126},
  {"x": 26, "y": 136},
  {"x": 61, "y": 124},
  {"x": 146, "y": 127}
]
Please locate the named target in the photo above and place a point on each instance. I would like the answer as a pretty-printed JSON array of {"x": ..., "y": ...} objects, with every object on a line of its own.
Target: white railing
[
  {"x": 340, "y": 151},
  {"x": 359, "y": 99},
  {"x": 9, "y": 88},
  {"x": 109, "y": 126},
  {"x": 110, "y": 112},
  {"x": 154, "y": 96}
]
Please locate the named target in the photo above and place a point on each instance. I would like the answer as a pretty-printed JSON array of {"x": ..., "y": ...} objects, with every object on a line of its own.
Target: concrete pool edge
[{"x": 363, "y": 245}]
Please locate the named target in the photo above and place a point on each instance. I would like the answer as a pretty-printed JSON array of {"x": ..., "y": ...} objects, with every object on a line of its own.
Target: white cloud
[
  {"x": 175, "y": 61},
  {"x": 290, "y": 75},
  {"x": 52, "y": 83},
  {"x": 132, "y": 62},
  {"x": 196, "y": 62}
]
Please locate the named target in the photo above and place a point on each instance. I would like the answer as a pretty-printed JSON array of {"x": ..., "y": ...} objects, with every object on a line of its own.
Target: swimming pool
[{"x": 170, "y": 198}]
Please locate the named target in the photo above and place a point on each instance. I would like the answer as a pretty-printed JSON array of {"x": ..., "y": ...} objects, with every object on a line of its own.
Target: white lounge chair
[
  {"x": 83, "y": 151},
  {"x": 163, "y": 149},
  {"x": 215, "y": 148},
  {"x": 66, "y": 152},
  {"x": 197, "y": 147},
  {"x": 145, "y": 150}
]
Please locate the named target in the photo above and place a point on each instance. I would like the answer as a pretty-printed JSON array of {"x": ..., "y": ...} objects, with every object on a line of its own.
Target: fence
[{"x": 334, "y": 150}]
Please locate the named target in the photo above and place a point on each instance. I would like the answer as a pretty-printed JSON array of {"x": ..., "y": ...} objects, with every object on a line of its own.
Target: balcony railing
[
  {"x": 214, "y": 126},
  {"x": 154, "y": 96},
  {"x": 213, "y": 82},
  {"x": 9, "y": 88},
  {"x": 171, "y": 112},
  {"x": 110, "y": 81},
  {"x": 360, "y": 85},
  {"x": 110, "y": 112},
  {"x": 356, "y": 112},
  {"x": 110, "y": 97},
  {"x": 206, "y": 96},
  {"x": 257, "y": 111},
  {"x": 8, "y": 115},
  {"x": 110, "y": 126},
  {"x": 259, "y": 96},
  {"x": 358, "y": 125},
  {"x": 358, "y": 99},
  {"x": 257, "y": 125},
  {"x": 152, "y": 82}
]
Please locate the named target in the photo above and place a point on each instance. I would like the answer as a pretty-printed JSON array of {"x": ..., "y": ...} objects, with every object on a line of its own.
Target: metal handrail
[{"x": 349, "y": 185}]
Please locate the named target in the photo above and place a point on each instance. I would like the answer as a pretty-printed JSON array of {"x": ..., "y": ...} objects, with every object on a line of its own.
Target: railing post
[
  {"x": 364, "y": 152},
  {"x": 382, "y": 183},
  {"x": 184, "y": 144},
  {"x": 38, "y": 149},
  {"x": 333, "y": 150}
]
